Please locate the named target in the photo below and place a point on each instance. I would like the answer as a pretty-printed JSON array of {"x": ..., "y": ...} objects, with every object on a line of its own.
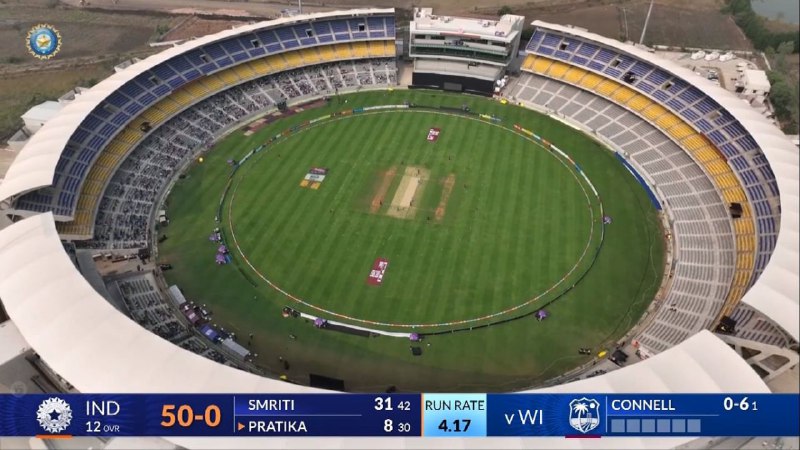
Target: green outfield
[{"x": 476, "y": 227}]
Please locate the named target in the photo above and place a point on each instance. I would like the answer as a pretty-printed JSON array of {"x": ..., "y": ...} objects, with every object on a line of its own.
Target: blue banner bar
[{"x": 409, "y": 415}]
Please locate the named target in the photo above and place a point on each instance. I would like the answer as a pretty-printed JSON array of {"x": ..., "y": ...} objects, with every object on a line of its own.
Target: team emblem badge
[
  {"x": 584, "y": 414},
  {"x": 43, "y": 41},
  {"x": 54, "y": 415}
]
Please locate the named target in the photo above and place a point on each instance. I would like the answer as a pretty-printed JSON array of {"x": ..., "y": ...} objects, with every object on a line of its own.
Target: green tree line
[
  {"x": 784, "y": 91},
  {"x": 756, "y": 30}
]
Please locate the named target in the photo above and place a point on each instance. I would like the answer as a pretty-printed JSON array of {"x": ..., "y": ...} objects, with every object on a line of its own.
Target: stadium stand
[
  {"x": 121, "y": 145},
  {"x": 147, "y": 306},
  {"x": 126, "y": 206},
  {"x": 702, "y": 229},
  {"x": 753, "y": 248},
  {"x": 719, "y": 137}
]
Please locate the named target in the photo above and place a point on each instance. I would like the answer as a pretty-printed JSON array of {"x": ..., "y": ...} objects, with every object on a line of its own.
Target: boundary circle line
[{"x": 473, "y": 320}]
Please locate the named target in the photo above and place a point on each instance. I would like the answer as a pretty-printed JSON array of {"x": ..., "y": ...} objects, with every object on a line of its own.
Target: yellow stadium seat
[
  {"x": 213, "y": 83},
  {"x": 183, "y": 96},
  {"x": 277, "y": 63},
  {"x": 389, "y": 49},
  {"x": 704, "y": 153},
  {"x": 343, "y": 51},
  {"x": 726, "y": 180},
  {"x": 309, "y": 55},
  {"x": 681, "y": 131},
  {"x": 360, "y": 50},
  {"x": 540, "y": 65},
  {"x": 293, "y": 59},
  {"x": 731, "y": 196},
  {"x": 244, "y": 71},
  {"x": 196, "y": 90},
  {"x": 743, "y": 226},
  {"x": 622, "y": 95},
  {"x": 370, "y": 49},
  {"x": 557, "y": 70},
  {"x": 229, "y": 77},
  {"x": 260, "y": 67},
  {"x": 574, "y": 75},
  {"x": 326, "y": 53},
  {"x": 169, "y": 106},
  {"x": 749, "y": 243},
  {"x": 606, "y": 88},
  {"x": 639, "y": 102},
  {"x": 590, "y": 80},
  {"x": 527, "y": 63},
  {"x": 665, "y": 121},
  {"x": 653, "y": 112}
]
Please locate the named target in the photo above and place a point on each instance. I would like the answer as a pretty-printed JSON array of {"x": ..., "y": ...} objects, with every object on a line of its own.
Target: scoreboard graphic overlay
[{"x": 431, "y": 415}]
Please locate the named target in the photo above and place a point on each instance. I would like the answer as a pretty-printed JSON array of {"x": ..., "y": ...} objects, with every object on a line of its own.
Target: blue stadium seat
[
  {"x": 215, "y": 51},
  {"x": 705, "y": 106},
  {"x": 375, "y": 24},
  {"x": 120, "y": 118},
  {"x": 675, "y": 104},
  {"x": 536, "y": 39},
  {"x": 735, "y": 130},
  {"x": 691, "y": 95},
  {"x": 551, "y": 40},
  {"x": 390, "y": 30},
  {"x": 690, "y": 114},
  {"x": 645, "y": 87},
  {"x": 625, "y": 62},
  {"x": 321, "y": 28},
  {"x": 730, "y": 151},
  {"x": 660, "y": 95},
  {"x": 641, "y": 69},
  {"x": 588, "y": 50},
  {"x": 614, "y": 73},
  {"x": 562, "y": 55},
  {"x": 605, "y": 55},
  {"x": 658, "y": 77},
  {"x": 579, "y": 60},
  {"x": 107, "y": 130},
  {"x": 133, "y": 89},
  {"x": 358, "y": 28},
  {"x": 80, "y": 135},
  {"x": 704, "y": 126},
  {"x": 118, "y": 100},
  {"x": 232, "y": 46},
  {"x": 747, "y": 143}
]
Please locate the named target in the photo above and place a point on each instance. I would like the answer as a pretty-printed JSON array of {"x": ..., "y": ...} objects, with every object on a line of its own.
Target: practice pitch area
[{"x": 429, "y": 221}]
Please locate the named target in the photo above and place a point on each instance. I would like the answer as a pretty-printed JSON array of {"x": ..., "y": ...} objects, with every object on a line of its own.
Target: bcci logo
[
  {"x": 584, "y": 414},
  {"x": 54, "y": 415},
  {"x": 43, "y": 41}
]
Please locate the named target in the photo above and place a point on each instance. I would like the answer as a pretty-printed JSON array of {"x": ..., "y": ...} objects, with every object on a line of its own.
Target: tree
[
  {"x": 786, "y": 48},
  {"x": 769, "y": 52},
  {"x": 505, "y": 9},
  {"x": 780, "y": 96}
]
